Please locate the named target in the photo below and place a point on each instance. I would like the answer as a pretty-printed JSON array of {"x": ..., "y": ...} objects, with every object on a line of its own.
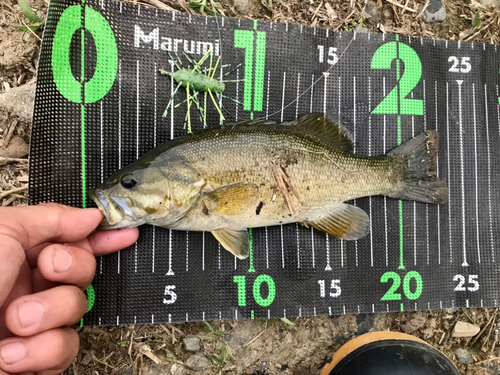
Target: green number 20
[
  {"x": 390, "y": 295},
  {"x": 396, "y": 102}
]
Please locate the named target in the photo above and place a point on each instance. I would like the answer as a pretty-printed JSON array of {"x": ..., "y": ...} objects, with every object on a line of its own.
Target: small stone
[
  {"x": 414, "y": 324},
  {"x": 371, "y": 12},
  {"x": 129, "y": 371},
  {"x": 463, "y": 356},
  {"x": 16, "y": 148},
  {"x": 435, "y": 12},
  {"x": 228, "y": 337},
  {"x": 489, "y": 3},
  {"x": 18, "y": 101},
  {"x": 197, "y": 362},
  {"x": 464, "y": 329},
  {"x": 242, "y": 6},
  {"x": 177, "y": 370},
  {"x": 154, "y": 369},
  {"x": 191, "y": 344},
  {"x": 451, "y": 310}
]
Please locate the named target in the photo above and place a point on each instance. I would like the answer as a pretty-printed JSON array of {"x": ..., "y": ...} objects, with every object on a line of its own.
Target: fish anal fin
[
  {"x": 235, "y": 241},
  {"x": 335, "y": 134},
  {"x": 343, "y": 221},
  {"x": 231, "y": 199}
]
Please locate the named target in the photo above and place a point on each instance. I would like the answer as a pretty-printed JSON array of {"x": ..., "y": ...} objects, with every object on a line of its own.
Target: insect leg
[
  {"x": 216, "y": 105},
  {"x": 171, "y": 100}
]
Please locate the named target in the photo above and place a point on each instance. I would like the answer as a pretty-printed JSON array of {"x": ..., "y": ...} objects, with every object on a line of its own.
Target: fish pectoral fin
[
  {"x": 231, "y": 199},
  {"x": 236, "y": 241},
  {"x": 343, "y": 221}
]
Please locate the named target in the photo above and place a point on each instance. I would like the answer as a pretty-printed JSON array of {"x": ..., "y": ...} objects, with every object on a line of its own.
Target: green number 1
[
  {"x": 245, "y": 39},
  {"x": 396, "y": 103}
]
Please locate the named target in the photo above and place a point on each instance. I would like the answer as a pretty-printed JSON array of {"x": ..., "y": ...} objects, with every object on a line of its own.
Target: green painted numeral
[
  {"x": 106, "y": 55},
  {"x": 245, "y": 39},
  {"x": 90, "y": 300},
  {"x": 242, "y": 297},
  {"x": 396, "y": 102},
  {"x": 271, "y": 286},
  {"x": 391, "y": 294},
  {"x": 406, "y": 285}
]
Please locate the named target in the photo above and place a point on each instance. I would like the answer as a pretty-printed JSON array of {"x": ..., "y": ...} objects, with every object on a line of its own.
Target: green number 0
[
  {"x": 106, "y": 59},
  {"x": 396, "y": 102}
]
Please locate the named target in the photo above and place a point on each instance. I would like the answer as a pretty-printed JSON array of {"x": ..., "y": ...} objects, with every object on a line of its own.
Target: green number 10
[
  {"x": 396, "y": 103},
  {"x": 271, "y": 286}
]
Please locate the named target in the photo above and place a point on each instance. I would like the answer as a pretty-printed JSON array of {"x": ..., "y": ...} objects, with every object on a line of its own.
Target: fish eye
[{"x": 128, "y": 181}]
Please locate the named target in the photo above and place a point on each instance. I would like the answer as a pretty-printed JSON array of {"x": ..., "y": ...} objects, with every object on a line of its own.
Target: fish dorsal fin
[
  {"x": 343, "y": 221},
  {"x": 318, "y": 124},
  {"x": 231, "y": 199},
  {"x": 235, "y": 241}
]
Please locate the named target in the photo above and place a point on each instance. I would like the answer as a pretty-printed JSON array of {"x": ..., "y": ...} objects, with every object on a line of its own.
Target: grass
[
  {"x": 36, "y": 22},
  {"x": 224, "y": 351}
]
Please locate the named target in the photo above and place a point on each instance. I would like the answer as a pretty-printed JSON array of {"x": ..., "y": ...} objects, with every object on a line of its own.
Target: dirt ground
[{"x": 251, "y": 347}]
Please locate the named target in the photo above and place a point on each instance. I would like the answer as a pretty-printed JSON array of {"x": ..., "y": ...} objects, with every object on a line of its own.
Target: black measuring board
[{"x": 384, "y": 88}]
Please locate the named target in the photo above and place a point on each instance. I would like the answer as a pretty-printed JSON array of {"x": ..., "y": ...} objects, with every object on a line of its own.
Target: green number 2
[
  {"x": 390, "y": 295},
  {"x": 396, "y": 102}
]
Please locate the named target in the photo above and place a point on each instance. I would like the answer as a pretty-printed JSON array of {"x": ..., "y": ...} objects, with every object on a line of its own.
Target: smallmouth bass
[{"x": 262, "y": 173}]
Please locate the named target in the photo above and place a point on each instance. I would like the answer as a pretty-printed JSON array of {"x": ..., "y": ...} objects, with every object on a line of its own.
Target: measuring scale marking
[
  {"x": 461, "y": 131},
  {"x": 475, "y": 169},
  {"x": 449, "y": 168}
]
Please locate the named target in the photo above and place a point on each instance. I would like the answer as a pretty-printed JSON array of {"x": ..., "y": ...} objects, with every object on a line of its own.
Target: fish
[{"x": 259, "y": 173}]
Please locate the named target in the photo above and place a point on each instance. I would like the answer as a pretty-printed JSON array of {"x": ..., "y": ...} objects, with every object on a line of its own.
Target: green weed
[{"x": 30, "y": 14}]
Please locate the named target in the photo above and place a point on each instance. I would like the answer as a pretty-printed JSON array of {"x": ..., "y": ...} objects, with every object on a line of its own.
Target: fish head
[{"x": 158, "y": 195}]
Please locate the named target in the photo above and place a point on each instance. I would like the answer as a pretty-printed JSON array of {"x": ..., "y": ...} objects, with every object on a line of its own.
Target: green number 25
[{"x": 396, "y": 102}]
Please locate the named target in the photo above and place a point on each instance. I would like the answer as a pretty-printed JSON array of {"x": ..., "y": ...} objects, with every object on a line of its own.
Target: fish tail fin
[{"x": 420, "y": 182}]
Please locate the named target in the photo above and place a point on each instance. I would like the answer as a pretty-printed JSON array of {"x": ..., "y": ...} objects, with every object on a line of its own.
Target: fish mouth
[
  {"x": 100, "y": 200},
  {"x": 116, "y": 210}
]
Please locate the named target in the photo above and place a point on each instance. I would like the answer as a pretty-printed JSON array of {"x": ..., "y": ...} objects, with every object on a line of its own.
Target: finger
[
  {"x": 67, "y": 265},
  {"x": 25, "y": 227},
  {"x": 49, "y": 222},
  {"x": 56, "y": 307},
  {"x": 49, "y": 350},
  {"x": 21, "y": 287},
  {"x": 40, "y": 283},
  {"x": 108, "y": 241}
]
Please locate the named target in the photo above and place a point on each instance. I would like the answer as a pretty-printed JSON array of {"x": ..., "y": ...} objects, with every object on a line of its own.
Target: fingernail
[
  {"x": 30, "y": 312},
  {"x": 62, "y": 260},
  {"x": 12, "y": 352}
]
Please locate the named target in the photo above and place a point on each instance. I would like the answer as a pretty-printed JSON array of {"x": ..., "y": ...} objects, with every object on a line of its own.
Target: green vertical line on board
[
  {"x": 255, "y": 24},
  {"x": 250, "y": 245},
  {"x": 82, "y": 74},
  {"x": 402, "y": 307},
  {"x": 400, "y": 203},
  {"x": 251, "y": 314}
]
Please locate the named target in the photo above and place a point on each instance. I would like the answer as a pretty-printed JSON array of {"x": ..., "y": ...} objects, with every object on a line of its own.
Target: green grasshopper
[{"x": 195, "y": 81}]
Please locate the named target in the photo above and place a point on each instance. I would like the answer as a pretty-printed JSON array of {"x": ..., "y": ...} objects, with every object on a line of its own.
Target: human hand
[{"x": 46, "y": 262}]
